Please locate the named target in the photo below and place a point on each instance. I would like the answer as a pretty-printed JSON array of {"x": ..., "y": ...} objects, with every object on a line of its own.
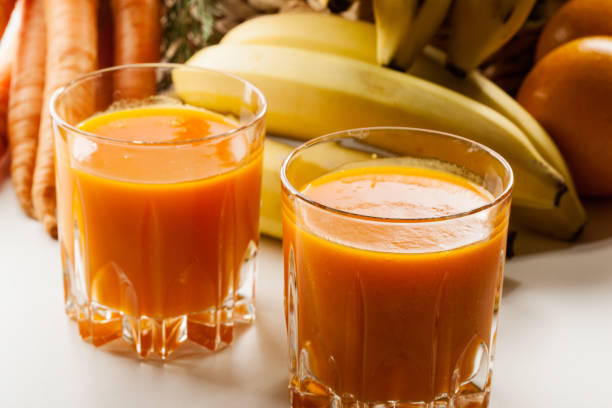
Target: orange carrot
[
  {"x": 71, "y": 51},
  {"x": 6, "y": 8},
  {"x": 6, "y": 64},
  {"x": 5, "y": 81},
  {"x": 26, "y": 98},
  {"x": 137, "y": 39}
]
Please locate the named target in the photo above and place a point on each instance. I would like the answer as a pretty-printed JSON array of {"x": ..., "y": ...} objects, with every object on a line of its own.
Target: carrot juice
[
  {"x": 391, "y": 298},
  {"x": 160, "y": 232}
]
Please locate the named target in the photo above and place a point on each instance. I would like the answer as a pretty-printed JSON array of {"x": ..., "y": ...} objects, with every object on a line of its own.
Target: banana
[
  {"x": 313, "y": 31},
  {"x": 311, "y": 94},
  {"x": 393, "y": 20},
  {"x": 427, "y": 20},
  {"x": 275, "y": 152},
  {"x": 481, "y": 27},
  {"x": 478, "y": 87},
  {"x": 356, "y": 40},
  {"x": 318, "y": 162},
  {"x": 270, "y": 217},
  {"x": 565, "y": 222}
]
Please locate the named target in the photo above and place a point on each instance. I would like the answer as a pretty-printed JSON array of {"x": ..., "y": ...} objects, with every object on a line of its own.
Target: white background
[{"x": 554, "y": 345}]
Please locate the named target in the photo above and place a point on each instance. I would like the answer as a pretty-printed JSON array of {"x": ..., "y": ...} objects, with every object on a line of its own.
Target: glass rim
[
  {"x": 57, "y": 119},
  {"x": 346, "y": 134}
]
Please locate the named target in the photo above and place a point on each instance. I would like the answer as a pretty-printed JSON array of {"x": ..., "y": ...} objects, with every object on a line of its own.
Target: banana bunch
[
  {"x": 357, "y": 40},
  {"x": 319, "y": 75},
  {"x": 478, "y": 28}
]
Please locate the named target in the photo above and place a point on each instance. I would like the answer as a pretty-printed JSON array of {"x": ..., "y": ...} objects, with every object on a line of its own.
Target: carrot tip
[
  {"x": 50, "y": 224},
  {"x": 27, "y": 208}
]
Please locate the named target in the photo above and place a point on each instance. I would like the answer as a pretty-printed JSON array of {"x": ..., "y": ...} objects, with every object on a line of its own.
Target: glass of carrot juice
[
  {"x": 158, "y": 172},
  {"x": 394, "y": 244}
]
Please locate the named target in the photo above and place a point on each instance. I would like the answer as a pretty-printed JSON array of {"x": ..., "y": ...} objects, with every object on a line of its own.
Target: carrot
[
  {"x": 6, "y": 64},
  {"x": 26, "y": 100},
  {"x": 6, "y": 9},
  {"x": 5, "y": 81},
  {"x": 137, "y": 39},
  {"x": 71, "y": 51}
]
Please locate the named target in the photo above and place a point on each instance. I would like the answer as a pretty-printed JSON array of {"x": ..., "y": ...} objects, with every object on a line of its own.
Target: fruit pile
[
  {"x": 569, "y": 90},
  {"x": 322, "y": 73}
]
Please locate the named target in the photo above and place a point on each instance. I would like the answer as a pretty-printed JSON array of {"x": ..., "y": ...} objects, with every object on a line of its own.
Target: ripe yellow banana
[
  {"x": 356, "y": 40},
  {"x": 564, "y": 222},
  {"x": 275, "y": 151},
  {"x": 481, "y": 27},
  {"x": 313, "y": 31},
  {"x": 270, "y": 218},
  {"x": 427, "y": 19},
  {"x": 311, "y": 94},
  {"x": 393, "y": 19}
]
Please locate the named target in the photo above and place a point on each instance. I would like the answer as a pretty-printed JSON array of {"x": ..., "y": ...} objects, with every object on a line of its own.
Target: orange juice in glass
[
  {"x": 158, "y": 191},
  {"x": 394, "y": 244}
]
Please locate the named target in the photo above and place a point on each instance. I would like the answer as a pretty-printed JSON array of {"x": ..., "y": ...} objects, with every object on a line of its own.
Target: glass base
[
  {"x": 212, "y": 329},
  {"x": 316, "y": 395}
]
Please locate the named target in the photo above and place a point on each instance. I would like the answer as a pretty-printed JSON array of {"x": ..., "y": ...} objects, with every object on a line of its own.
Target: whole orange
[
  {"x": 575, "y": 19},
  {"x": 570, "y": 93}
]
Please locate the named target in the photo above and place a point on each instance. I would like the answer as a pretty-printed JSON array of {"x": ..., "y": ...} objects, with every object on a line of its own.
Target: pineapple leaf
[{"x": 188, "y": 26}]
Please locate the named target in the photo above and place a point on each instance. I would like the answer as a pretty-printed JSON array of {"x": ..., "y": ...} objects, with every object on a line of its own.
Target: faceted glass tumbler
[
  {"x": 159, "y": 238},
  {"x": 392, "y": 312}
]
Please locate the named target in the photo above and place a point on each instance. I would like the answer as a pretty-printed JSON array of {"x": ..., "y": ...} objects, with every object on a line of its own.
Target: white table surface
[{"x": 554, "y": 345}]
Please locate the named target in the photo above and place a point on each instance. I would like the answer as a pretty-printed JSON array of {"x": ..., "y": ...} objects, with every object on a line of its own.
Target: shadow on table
[
  {"x": 597, "y": 232},
  {"x": 510, "y": 285},
  {"x": 596, "y": 235},
  {"x": 581, "y": 267},
  {"x": 256, "y": 362}
]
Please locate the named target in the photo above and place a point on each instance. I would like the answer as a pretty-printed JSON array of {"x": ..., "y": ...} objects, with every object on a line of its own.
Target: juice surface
[
  {"x": 397, "y": 192},
  {"x": 396, "y": 310},
  {"x": 162, "y": 230},
  {"x": 157, "y": 124}
]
